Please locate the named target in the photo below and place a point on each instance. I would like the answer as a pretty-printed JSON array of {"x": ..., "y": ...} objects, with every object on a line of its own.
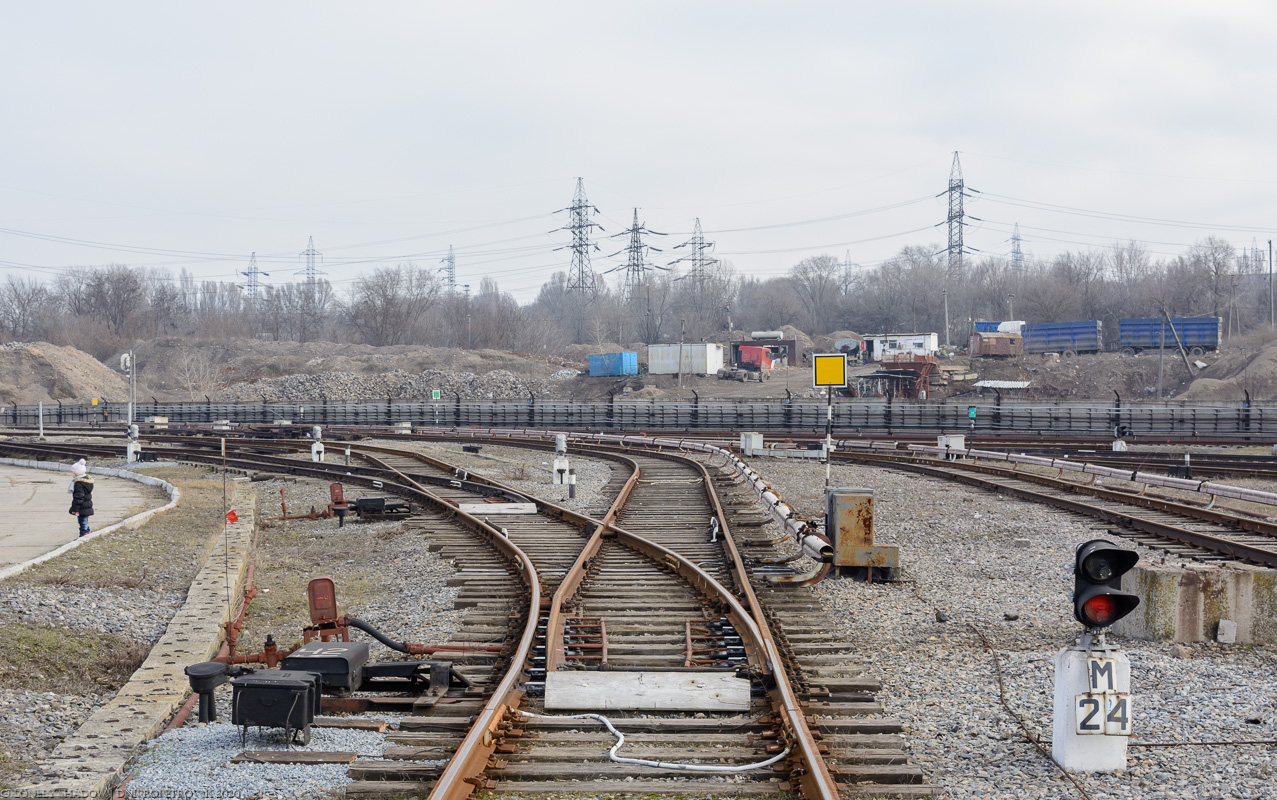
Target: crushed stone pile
[
  {"x": 39, "y": 372},
  {"x": 498, "y": 384}
]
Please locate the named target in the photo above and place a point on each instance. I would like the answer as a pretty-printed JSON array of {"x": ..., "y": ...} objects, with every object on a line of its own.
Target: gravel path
[{"x": 959, "y": 556}]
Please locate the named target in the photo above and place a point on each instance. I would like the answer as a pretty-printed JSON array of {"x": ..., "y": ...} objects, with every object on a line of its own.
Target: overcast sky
[{"x": 189, "y": 135}]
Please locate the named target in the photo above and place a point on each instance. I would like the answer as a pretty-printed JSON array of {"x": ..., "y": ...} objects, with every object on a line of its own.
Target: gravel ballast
[
  {"x": 194, "y": 760},
  {"x": 959, "y": 559}
]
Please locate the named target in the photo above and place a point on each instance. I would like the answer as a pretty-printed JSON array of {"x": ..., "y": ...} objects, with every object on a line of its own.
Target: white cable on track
[{"x": 643, "y": 762}]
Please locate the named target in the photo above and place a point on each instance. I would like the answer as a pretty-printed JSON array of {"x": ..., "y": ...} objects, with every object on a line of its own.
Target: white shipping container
[{"x": 696, "y": 357}]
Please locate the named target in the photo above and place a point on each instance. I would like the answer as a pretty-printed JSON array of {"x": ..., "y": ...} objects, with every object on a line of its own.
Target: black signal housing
[{"x": 1098, "y": 599}]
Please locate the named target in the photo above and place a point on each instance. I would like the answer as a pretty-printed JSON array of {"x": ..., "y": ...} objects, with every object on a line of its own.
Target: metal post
[
  {"x": 682, "y": 332},
  {"x": 1161, "y": 356},
  {"x": 40, "y": 411},
  {"x": 1270, "y": 283},
  {"x": 946, "y": 317},
  {"x": 829, "y": 430}
]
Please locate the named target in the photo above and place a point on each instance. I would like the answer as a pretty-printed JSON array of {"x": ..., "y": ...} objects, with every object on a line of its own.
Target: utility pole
[
  {"x": 637, "y": 264},
  {"x": 682, "y": 334},
  {"x": 449, "y": 270},
  {"x": 1010, "y": 306},
  {"x": 1161, "y": 353},
  {"x": 1270, "y": 284},
  {"x": 467, "y": 288},
  {"x": 581, "y": 275},
  {"x": 254, "y": 275}
]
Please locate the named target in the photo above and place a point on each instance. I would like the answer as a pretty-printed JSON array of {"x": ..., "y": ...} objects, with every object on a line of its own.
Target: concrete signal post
[
  {"x": 829, "y": 371},
  {"x": 1093, "y": 708}
]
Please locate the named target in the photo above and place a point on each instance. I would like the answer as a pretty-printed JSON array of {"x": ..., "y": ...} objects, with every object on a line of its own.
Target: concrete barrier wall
[{"x": 1186, "y": 602}]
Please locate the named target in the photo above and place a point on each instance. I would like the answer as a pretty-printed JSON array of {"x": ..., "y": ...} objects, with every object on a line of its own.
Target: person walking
[{"x": 82, "y": 495}]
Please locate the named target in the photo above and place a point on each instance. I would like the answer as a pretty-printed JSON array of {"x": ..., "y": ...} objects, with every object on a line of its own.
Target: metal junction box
[
  {"x": 276, "y": 699},
  {"x": 340, "y": 665},
  {"x": 849, "y": 524}
]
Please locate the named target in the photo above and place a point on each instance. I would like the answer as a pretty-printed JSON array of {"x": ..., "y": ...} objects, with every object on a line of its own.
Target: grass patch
[
  {"x": 290, "y": 554},
  {"x": 46, "y": 659},
  {"x": 166, "y": 553}
]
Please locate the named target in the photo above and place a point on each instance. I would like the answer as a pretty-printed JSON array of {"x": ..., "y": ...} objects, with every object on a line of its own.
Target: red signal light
[{"x": 1099, "y": 610}]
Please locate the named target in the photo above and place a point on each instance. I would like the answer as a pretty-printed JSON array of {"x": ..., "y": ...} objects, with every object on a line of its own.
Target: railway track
[
  {"x": 1161, "y": 523},
  {"x": 639, "y": 588}
]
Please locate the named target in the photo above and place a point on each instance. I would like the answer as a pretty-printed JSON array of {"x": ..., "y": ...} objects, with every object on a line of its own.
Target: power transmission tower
[
  {"x": 1017, "y": 255},
  {"x": 957, "y": 221},
  {"x": 581, "y": 275},
  {"x": 449, "y": 270},
  {"x": 1256, "y": 256},
  {"x": 254, "y": 275},
  {"x": 637, "y": 264},
  {"x": 312, "y": 256},
  {"x": 698, "y": 262}
]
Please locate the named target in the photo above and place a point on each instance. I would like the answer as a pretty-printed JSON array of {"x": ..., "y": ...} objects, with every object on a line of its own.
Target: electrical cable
[
  {"x": 643, "y": 762},
  {"x": 1131, "y": 218}
]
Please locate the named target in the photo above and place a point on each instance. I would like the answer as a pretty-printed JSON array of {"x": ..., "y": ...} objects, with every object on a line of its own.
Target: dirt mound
[
  {"x": 1234, "y": 374},
  {"x": 1087, "y": 377},
  {"x": 41, "y": 372}
]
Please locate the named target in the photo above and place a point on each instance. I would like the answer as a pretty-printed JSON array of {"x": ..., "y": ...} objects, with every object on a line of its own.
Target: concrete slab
[
  {"x": 646, "y": 691},
  {"x": 36, "y": 502}
]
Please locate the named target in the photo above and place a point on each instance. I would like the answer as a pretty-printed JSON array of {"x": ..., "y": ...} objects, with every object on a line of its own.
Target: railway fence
[{"x": 1119, "y": 419}]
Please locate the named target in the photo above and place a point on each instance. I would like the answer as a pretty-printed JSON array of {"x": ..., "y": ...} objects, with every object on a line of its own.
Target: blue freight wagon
[
  {"x": 1066, "y": 338},
  {"x": 1198, "y": 334},
  {"x": 613, "y": 364}
]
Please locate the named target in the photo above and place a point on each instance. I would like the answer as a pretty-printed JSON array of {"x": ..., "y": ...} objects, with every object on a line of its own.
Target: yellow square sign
[{"x": 829, "y": 369}]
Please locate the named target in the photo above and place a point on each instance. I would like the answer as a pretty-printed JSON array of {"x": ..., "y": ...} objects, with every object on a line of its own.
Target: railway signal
[
  {"x": 1098, "y": 599},
  {"x": 1092, "y": 709}
]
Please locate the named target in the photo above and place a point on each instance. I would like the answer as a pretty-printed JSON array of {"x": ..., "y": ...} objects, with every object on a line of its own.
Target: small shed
[{"x": 995, "y": 345}]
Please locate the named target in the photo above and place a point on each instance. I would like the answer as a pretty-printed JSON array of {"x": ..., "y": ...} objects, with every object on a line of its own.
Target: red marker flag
[{"x": 230, "y": 516}]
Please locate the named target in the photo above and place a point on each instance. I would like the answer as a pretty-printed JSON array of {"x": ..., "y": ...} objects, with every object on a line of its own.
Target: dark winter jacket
[{"x": 82, "y": 496}]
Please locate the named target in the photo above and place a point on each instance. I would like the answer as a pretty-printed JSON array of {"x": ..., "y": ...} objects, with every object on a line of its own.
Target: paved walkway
[{"x": 34, "y": 505}]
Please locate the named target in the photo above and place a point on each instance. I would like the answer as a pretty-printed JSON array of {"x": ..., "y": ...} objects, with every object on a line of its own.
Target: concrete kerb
[
  {"x": 90, "y": 762},
  {"x": 131, "y": 522}
]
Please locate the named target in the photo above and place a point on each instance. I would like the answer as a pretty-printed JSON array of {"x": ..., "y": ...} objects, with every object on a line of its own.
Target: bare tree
[
  {"x": 387, "y": 306},
  {"x": 23, "y": 304}
]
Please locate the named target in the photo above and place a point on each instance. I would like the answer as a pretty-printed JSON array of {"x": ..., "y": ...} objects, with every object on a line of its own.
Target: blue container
[
  {"x": 986, "y": 327},
  {"x": 1145, "y": 333},
  {"x": 1066, "y": 338},
  {"x": 613, "y": 364}
]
